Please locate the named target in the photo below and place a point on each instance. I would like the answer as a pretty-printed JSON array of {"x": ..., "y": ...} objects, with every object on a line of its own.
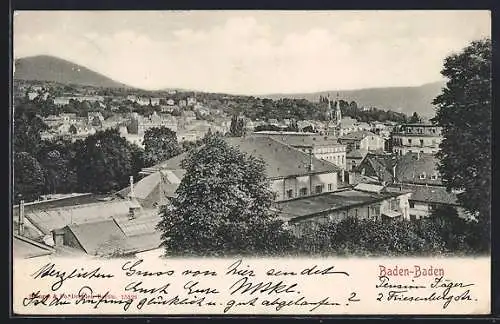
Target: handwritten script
[{"x": 236, "y": 286}]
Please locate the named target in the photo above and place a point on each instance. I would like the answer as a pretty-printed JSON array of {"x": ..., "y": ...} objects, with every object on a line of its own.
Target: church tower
[{"x": 338, "y": 112}]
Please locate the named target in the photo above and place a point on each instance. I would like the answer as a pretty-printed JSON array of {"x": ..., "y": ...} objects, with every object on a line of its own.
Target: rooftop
[
  {"x": 281, "y": 160},
  {"x": 428, "y": 194},
  {"x": 23, "y": 247},
  {"x": 301, "y": 208},
  {"x": 411, "y": 166},
  {"x": 119, "y": 234},
  {"x": 359, "y": 135},
  {"x": 297, "y": 139},
  {"x": 357, "y": 154},
  {"x": 46, "y": 220}
]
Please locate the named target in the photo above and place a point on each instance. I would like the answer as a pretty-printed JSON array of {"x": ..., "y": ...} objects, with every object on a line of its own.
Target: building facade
[
  {"x": 363, "y": 140},
  {"x": 422, "y": 138}
]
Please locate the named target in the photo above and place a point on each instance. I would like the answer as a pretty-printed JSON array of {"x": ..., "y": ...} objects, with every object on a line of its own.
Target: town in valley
[{"x": 101, "y": 167}]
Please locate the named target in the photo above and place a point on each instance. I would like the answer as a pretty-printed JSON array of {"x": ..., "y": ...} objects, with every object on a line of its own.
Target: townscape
[{"x": 120, "y": 171}]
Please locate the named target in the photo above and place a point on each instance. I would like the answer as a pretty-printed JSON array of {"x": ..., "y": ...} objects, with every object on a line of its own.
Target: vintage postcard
[{"x": 251, "y": 162}]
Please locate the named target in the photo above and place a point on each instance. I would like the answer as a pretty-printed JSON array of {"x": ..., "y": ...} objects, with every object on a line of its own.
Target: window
[
  {"x": 422, "y": 176},
  {"x": 289, "y": 193},
  {"x": 409, "y": 141},
  {"x": 330, "y": 187},
  {"x": 303, "y": 191},
  {"x": 421, "y": 142},
  {"x": 412, "y": 204},
  {"x": 434, "y": 177},
  {"x": 356, "y": 212},
  {"x": 413, "y": 217},
  {"x": 319, "y": 189}
]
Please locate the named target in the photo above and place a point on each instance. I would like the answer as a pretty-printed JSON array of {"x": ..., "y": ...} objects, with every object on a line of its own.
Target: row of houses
[{"x": 310, "y": 189}]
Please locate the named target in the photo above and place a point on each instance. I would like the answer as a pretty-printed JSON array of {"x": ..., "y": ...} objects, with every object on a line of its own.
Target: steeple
[{"x": 338, "y": 112}]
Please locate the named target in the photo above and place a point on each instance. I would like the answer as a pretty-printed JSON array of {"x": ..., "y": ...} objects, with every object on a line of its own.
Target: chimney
[
  {"x": 351, "y": 178},
  {"x": 131, "y": 194},
  {"x": 58, "y": 235},
  {"x": 394, "y": 173},
  {"x": 133, "y": 212},
  {"x": 21, "y": 218},
  {"x": 311, "y": 166}
]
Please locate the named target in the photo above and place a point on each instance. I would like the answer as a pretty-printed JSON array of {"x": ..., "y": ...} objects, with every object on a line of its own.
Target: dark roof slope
[
  {"x": 411, "y": 165},
  {"x": 281, "y": 160}
]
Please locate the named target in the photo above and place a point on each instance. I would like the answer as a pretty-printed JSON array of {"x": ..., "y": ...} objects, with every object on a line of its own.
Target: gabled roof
[
  {"x": 281, "y": 160},
  {"x": 99, "y": 237},
  {"x": 411, "y": 166},
  {"x": 380, "y": 164},
  {"x": 119, "y": 234},
  {"x": 356, "y": 154}
]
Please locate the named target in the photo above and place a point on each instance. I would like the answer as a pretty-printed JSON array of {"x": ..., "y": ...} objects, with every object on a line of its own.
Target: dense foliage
[
  {"x": 365, "y": 237},
  {"x": 160, "y": 144},
  {"x": 223, "y": 205},
  {"x": 464, "y": 111}
]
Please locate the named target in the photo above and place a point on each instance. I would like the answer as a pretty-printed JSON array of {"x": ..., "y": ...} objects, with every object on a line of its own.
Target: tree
[
  {"x": 104, "y": 162},
  {"x": 56, "y": 159},
  {"x": 415, "y": 118},
  {"x": 223, "y": 205},
  {"x": 28, "y": 177},
  {"x": 160, "y": 144},
  {"x": 27, "y": 128},
  {"x": 464, "y": 112},
  {"x": 237, "y": 126}
]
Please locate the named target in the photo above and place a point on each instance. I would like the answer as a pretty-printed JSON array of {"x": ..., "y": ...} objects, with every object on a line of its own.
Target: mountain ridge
[
  {"x": 405, "y": 99},
  {"x": 54, "y": 69}
]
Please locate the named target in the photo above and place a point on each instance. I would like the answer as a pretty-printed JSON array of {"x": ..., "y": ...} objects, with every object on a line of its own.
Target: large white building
[{"x": 413, "y": 138}]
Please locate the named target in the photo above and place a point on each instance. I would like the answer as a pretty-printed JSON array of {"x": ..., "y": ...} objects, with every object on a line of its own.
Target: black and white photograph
[
  {"x": 246, "y": 162},
  {"x": 218, "y": 133}
]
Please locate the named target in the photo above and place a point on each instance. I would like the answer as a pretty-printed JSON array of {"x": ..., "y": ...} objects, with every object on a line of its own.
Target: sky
[{"x": 253, "y": 52}]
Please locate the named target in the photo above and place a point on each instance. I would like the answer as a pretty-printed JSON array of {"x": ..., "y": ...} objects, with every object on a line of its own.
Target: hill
[
  {"x": 53, "y": 69},
  {"x": 401, "y": 99}
]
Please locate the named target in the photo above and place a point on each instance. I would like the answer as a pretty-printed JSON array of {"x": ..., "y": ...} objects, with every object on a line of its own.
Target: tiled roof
[
  {"x": 359, "y": 135},
  {"x": 281, "y": 160},
  {"x": 99, "y": 237},
  {"x": 119, "y": 234},
  {"x": 411, "y": 165},
  {"x": 429, "y": 194},
  {"x": 381, "y": 166},
  {"x": 143, "y": 224}
]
